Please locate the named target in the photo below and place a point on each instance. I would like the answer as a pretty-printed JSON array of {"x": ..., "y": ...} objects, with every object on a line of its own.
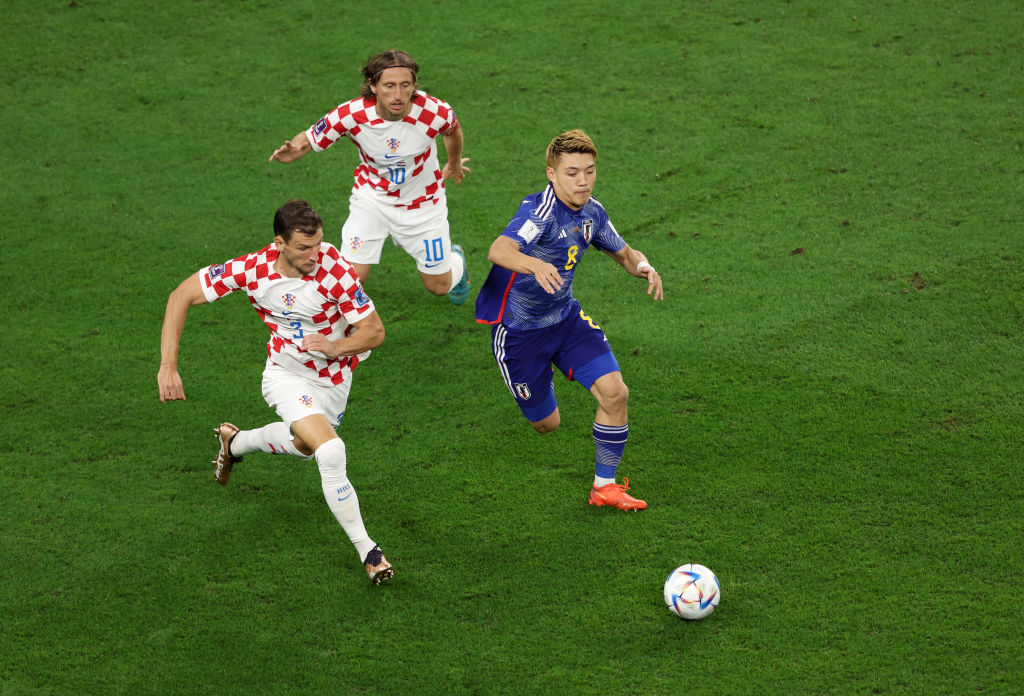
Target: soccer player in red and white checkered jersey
[
  {"x": 399, "y": 184},
  {"x": 321, "y": 325}
]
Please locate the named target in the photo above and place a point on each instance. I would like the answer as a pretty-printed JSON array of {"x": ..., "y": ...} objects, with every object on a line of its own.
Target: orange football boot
[{"x": 614, "y": 494}]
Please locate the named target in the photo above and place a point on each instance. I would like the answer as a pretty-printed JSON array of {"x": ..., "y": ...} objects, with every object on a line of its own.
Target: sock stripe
[
  {"x": 609, "y": 442},
  {"x": 611, "y": 433}
]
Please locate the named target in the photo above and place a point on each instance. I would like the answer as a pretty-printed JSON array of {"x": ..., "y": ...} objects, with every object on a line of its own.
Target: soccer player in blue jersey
[{"x": 536, "y": 322}]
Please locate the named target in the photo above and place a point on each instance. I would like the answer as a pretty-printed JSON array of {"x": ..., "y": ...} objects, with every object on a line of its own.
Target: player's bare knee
[
  {"x": 615, "y": 398},
  {"x": 302, "y": 446},
  {"x": 620, "y": 396},
  {"x": 438, "y": 285},
  {"x": 549, "y": 424}
]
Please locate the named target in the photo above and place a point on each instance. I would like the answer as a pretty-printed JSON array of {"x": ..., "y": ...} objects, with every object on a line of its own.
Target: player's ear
[{"x": 551, "y": 175}]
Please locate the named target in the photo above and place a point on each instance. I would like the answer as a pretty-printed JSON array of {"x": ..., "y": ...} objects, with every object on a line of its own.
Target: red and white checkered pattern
[
  {"x": 398, "y": 159},
  {"x": 328, "y": 302}
]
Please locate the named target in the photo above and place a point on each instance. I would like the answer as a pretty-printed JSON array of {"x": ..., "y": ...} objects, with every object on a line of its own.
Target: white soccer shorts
[
  {"x": 422, "y": 232},
  {"x": 295, "y": 397}
]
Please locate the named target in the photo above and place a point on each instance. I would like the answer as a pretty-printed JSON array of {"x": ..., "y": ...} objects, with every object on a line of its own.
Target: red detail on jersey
[
  {"x": 504, "y": 302},
  {"x": 358, "y": 121},
  {"x": 334, "y": 288}
]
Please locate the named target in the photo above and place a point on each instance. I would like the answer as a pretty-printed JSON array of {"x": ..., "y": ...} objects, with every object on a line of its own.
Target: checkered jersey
[
  {"x": 548, "y": 229},
  {"x": 328, "y": 302},
  {"x": 399, "y": 163}
]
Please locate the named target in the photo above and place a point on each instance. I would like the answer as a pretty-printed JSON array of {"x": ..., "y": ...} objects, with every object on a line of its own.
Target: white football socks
[
  {"x": 458, "y": 267},
  {"x": 274, "y": 438},
  {"x": 341, "y": 496}
]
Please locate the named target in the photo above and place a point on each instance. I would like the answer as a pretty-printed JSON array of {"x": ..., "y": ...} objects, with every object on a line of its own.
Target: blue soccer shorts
[{"x": 575, "y": 345}]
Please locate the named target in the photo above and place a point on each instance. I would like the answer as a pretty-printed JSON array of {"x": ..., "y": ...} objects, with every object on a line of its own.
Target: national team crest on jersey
[
  {"x": 306, "y": 400},
  {"x": 288, "y": 299},
  {"x": 356, "y": 243},
  {"x": 588, "y": 230},
  {"x": 392, "y": 144},
  {"x": 523, "y": 390}
]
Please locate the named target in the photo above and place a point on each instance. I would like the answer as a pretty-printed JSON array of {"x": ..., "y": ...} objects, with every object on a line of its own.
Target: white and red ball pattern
[{"x": 692, "y": 592}]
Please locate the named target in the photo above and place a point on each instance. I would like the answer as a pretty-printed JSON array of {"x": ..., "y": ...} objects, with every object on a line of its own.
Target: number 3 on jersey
[{"x": 570, "y": 259}]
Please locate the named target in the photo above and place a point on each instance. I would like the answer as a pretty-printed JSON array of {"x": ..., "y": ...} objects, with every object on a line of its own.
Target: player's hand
[
  {"x": 653, "y": 283},
  {"x": 455, "y": 173},
  {"x": 318, "y": 343},
  {"x": 286, "y": 153},
  {"x": 548, "y": 278},
  {"x": 169, "y": 382}
]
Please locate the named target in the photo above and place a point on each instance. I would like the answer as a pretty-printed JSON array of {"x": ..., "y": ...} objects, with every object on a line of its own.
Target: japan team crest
[
  {"x": 588, "y": 230},
  {"x": 522, "y": 390},
  {"x": 288, "y": 299}
]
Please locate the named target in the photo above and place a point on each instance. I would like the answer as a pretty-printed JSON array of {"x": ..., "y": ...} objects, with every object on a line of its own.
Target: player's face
[
  {"x": 299, "y": 255},
  {"x": 394, "y": 90},
  {"x": 573, "y": 178}
]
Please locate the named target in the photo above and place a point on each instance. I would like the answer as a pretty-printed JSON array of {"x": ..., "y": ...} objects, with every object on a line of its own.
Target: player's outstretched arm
[
  {"x": 366, "y": 334},
  {"x": 505, "y": 252},
  {"x": 636, "y": 264},
  {"x": 189, "y": 293},
  {"x": 455, "y": 168},
  {"x": 292, "y": 149}
]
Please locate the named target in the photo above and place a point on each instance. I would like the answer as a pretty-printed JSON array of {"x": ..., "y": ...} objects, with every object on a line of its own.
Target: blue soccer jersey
[{"x": 548, "y": 229}]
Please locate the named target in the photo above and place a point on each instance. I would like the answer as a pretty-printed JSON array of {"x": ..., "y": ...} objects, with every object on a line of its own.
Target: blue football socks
[{"x": 609, "y": 441}]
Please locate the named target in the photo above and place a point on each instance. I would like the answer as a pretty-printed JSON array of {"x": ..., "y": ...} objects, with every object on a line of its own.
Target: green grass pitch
[{"x": 825, "y": 410}]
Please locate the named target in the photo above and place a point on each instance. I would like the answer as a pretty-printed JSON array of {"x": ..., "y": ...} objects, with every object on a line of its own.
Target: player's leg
[
  {"x": 362, "y": 270},
  {"x": 548, "y": 424},
  {"x": 587, "y": 358},
  {"x": 611, "y": 426},
  {"x": 331, "y": 458},
  {"x": 273, "y": 438},
  {"x": 363, "y": 235},
  {"x": 524, "y": 359},
  {"x": 425, "y": 236},
  {"x": 313, "y": 412}
]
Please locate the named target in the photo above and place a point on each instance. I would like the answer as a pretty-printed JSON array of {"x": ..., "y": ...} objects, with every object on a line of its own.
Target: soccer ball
[{"x": 692, "y": 592}]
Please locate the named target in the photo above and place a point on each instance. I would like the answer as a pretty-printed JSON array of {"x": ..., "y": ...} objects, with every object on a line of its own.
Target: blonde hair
[{"x": 568, "y": 142}]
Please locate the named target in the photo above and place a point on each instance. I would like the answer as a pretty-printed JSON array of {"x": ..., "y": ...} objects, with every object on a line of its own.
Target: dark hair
[
  {"x": 377, "y": 64},
  {"x": 296, "y": 216}
]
